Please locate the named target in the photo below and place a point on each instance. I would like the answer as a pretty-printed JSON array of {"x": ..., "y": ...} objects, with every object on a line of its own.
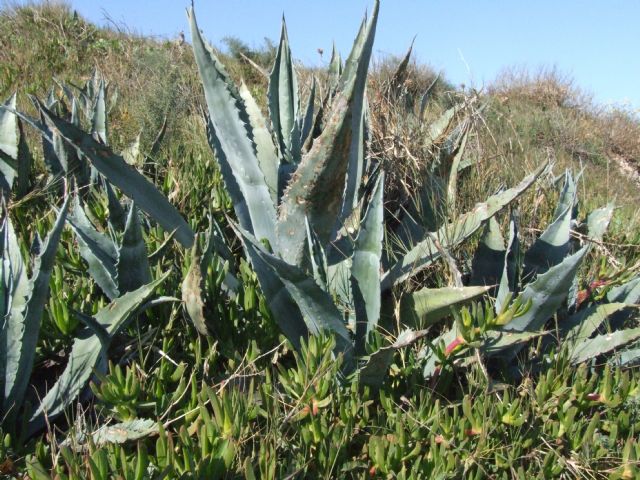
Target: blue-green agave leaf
[
  {"x": 233, "y": 143},
  {"x": 132, "y": 265},
  {"x": 315, "y": 305},
  {"x": 375, "y": 369},
  {"x": 8, "y": 144},
  {"x": 365, "y": 267},
  {"x": 266, "y": 151},
  {"x": 602, "y": 344},
  {"x": 307, "y": 120},
  {"x": 131, "y": 182},
  {"x": 99, "y": 116},
  {"x": 86, "y": 352},
  {"x": 23, "y": 324},
  {"x": 489, "y": 258},
  {"x": 98, "y": 250},
  {"x": 425, "y": 252},
  {"x": 316, "y": 188},
  {"x": 284, "y": 101},
  {"x": 511, "y": 263},
  {"x": 430, "y": 305}
]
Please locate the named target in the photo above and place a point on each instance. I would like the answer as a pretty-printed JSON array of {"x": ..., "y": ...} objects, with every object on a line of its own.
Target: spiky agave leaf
[
  {"x": 429, "y": 305},
  {"x": 365, "y": 267},
  {"x": 375, "y": 369},
  {"x": 132, "y": 265},
  {"x": 88, "y": 348},
  {"x": 265, "y": 148},
  {"x": 98, "y": 250},
  {"x": 193, "y": 284},
  {"x": 315, "y": 188},
  {"x": 489, "y": 258},
  {"x": 307, "y": 119},
  {"x": 232, "y": 141},
  {"x": 8, "y": 144},
  {"x": 601, "y": 344},
  {"x": 284, "y": 101},
  {"x": 99, "y": 115},
  {"x": 314, "y": 306},
  {"x": 131, "y": 182},
  {"x": 425, "y": 252},
  {"x": 22, "y": 323}
]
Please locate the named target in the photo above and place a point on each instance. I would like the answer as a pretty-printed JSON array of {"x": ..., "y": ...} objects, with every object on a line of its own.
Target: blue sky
[{"x": 594, "y": 42}]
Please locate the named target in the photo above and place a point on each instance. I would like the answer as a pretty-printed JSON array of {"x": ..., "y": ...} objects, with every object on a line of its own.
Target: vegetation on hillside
[{"x": 187, "y": 294}]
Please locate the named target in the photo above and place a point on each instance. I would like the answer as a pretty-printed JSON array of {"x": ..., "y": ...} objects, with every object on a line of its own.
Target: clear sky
[{"x": 595, "y": 42}]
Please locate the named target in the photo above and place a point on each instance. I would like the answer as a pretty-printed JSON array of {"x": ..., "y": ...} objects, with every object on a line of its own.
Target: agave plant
[
  {"x": 310, "y": 210},
  {"x": 544, "y": 280},
  {"x": 23, "y": 300}
]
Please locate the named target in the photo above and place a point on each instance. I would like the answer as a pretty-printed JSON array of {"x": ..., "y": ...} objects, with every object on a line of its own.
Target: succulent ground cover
[{"x": 310, "y": 275}]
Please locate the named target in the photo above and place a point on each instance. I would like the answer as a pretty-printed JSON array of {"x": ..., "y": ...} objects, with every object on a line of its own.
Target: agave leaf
[
  {"x": 23, "y": 163},
  {"x": 192, "y": 294},
  {"x": 509, "y": 279},
  {"x": 315, "y": 188},
  {"x": 568, "y": 196},
  {"x": 429, "y": 305},
  {"x": 365, "y": 267},
  {"x": 489, "y": 258},
  {"x": 97, "y": 250},
  {"x": 99, "y": 116},
  {"x": 335, "y": 70},
  {"x": 8, "y": 143},
  {"x": 117, "y": 214},
  {"x": 553, "y": 245},
  {"x": 629, "y": 357},
  {"x": 307, "y": 120},
  {"x": 233, "y": 143},
  {"x": 318, "y": 258},
  {"x": 16, "y": 289},
  {"x": 132, "y": 152},
  {"x": 602, "y": 344},
  {"x": 425, "y": 252},
  {"x": 86, "y": 352},
  {"x": 628, "y": 293},
  {"x": 400, "y": 75},
  {"x": 458, "y": 152},
  {"x": 426, "y": 96},
  {"x": 315, "y": 305},
  {"x": 377, "y": 366},
  {"x": 546, "y": 294},
  {"x": 284, "y": 102},
  {"x": 598, "y": 222},
  {"x": 265, "y": 148},
  {"x": 581, "y": 325},
  {"x": 23, "y": 324},
  {"x": 438, "y": 128},
  {"x": 132, "y": 264},
  {"x": 126, "y": 431},
  {"x": 131, "y": 182},
  {"x": 355, "y": 71}
]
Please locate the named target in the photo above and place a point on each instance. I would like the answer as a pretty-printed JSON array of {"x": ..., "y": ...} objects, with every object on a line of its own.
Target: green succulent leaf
[
  {"x": 192, "y": 289},
  {"x": 365, "y": 267},
  {"x": 581, "y": 325},
  {"x": 132, "y": 265},
  {"x": 602, "y": 344},
  {"x": 86, "y": 352},
  {"x": 314, "y": 305},
  {"x": 131, "y": 182},
  {"x": 489, "y": 258},
  {"x": 231, "y": 139},
  {"x": 8, "y": 144},
  {"x": 628, "y": 293},
  {"x": 97, "y": 250},
  {"x": 425, "y": 252},
  {"x": 99, "y": 115},
  {"x": 307, "y": 120},
  {"x": 284, "y": 102},
  {"x": 433, "y": 304},
  {"x": 265, "y": 148},
  {"x": 22, "y": 323},
  {"x": 315, "y": 190}
]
